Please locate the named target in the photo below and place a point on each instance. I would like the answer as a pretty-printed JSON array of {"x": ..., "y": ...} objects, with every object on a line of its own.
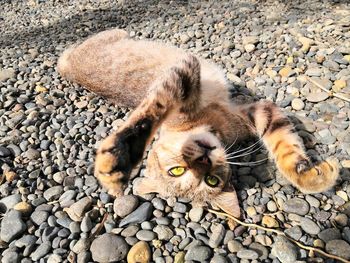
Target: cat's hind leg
[
  {"x": 278, "y": 134},
  {"x": 69, "y": 62},
  {"x": 121, "y": 151}
]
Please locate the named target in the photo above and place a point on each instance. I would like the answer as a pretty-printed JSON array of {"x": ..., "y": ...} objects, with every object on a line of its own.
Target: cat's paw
[
  {"x": 119, "y": 153},
  {"x": 113, "y": 165}
]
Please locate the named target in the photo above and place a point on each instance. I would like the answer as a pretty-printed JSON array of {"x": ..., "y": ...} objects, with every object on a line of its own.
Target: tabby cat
[{"x": 188, "y": 99}]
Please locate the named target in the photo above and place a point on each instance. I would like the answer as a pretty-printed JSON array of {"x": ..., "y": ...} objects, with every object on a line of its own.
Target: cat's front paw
[
  {"x": 113, "y": 165},
  {"x": 119, "y": 153}
]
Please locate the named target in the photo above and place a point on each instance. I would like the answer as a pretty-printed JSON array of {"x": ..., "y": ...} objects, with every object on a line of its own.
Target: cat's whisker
[
  {"x": 244, "y": 149},
  {"x": 246, "y": 153},
  {"x": 231, "y": 144},
  {"x": 248, "y": 163}
]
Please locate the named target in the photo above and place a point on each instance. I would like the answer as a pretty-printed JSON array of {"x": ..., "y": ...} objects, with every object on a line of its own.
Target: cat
[{"x": 188, "y": 99}]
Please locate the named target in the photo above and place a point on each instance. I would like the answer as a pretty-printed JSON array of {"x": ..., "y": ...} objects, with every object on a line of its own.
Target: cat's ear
[
  {"x": 227, "y": 201},
  {"x": 146, "y": 185}
]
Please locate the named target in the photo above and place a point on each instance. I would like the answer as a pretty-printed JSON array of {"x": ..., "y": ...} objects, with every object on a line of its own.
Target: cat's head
[{"x": 190, "y": 164}]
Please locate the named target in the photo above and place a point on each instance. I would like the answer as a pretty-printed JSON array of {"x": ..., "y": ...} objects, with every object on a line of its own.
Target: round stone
[
  {"x": 108, "y": 248},
  {"x": 298, "y": 104},
  {"x": 296, "y": 206},
  {"x": 124, "y": 205}
]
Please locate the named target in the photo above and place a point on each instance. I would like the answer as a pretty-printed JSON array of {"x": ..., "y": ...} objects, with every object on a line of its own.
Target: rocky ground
[{"x": 52, "y": 208}]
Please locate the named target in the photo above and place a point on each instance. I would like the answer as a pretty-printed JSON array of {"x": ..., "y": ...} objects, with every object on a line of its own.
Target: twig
[
  {"x": 99, "y": 228},
  {"x": 330, "y": 93},
  {"x": 280, "y": 233}
]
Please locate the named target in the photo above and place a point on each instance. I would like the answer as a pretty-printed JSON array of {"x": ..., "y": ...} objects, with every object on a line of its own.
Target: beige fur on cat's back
[{"x": 128, "y": 78}]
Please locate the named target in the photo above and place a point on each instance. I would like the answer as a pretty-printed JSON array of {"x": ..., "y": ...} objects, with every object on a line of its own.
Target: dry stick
[
  {"x": 334, "y": 94},
  {"x": 99, "y": 228},
  {"x": 280, "y": 233}
]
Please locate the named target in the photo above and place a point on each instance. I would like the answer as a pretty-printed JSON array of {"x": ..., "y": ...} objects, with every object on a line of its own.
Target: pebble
[
  {"x": 269, "y": 221},
  {"x": 109, "y": 247},
  {"x": 41, "y": 251},
  {"x": 296, "y": 206},
  {"x": 124, "y": 205},
  {"x": 198, "y": 253},
  {"x": 38, "y": 217},
  {"x": 139, "y": 253},
  {"x": 234, "y": 246},
  {"x": 23, "y": 207},
  {"x": 196, "y": 214},
  {"x": 142, "y": 213},
  {"x": 309, "y": 226},
  {"x": 77, "y": 210},
  {"x": 6, "y": 74},
  {"x": 8, "y": 202},
  {"x": 317, "y": 96},
  {"x": 12, "y": 226},
  {"x": 284, "y": 250},
  {"x": 329, "y": 234},
  {"x": 53, "y": 193},
  {"x": 339, "y": 248},
  {"x": 145, "y": 235},
  {"x": 217, "y": 235},
  {"x": 298, "y": 104},
  {"x": 163, "y": 232},
  {"x": 247, "y": 254}
]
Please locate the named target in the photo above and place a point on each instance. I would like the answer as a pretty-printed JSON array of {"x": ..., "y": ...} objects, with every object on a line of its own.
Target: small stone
[
  {"x": 317, "y": 97},
  {"x": 81, "y": 246},
  {"x": 249, "y": 48},
  {"x": 9, "y": 202},
  {"x": 6, "y": 74},
  {"x": 341, "y": 219},
  {"x": 40, "y": 88},
  {"x": 269, "y": 221},
  {"x": 234, "y": 246},
  {"x": 314, "y": 72},
  {"x": 284, "y": 250},
  {"x": 338, "y": 85},
  {"x": 139, "y": 253},
  {"x": 164, "y": 232},
  {"x": 251, "y": 211},
  {"x": 247, "y": 254},
  {"x": 343, "y": 195},
  {"x": 250, "y": 40},
  {"x": 145, "y": 235},
  {"x": 298, "y": 104},
  {"x": 12, "y": 226},
  {"x": 124, "y": 205},
  {"x": 196, "y": 214},
  {"x": 309, "y": 226},
  {"x": 296, "y": 206},
  {"x": 345, "y": 163},
  {"x": 286, "y": 72},
  {"x": 38, "y": 217},
  {"x": 53, "y": 193},
  {"x": 271, "y": 206},
  {"x": 180, "y": 208},
  {"x": 329, "y": 234},
  {"x": 294, "y": 232},
  {"x": 9, "y": 257},
  {"x": 108, "y": 248},
  {"x": 10, "y": 176},
  {"x": 306, "y": 43},
  {"x": 23, "y": 207},
  {"x": 142, "y": 213},
  {"x": 184, "y": 38},
  {"x": 235, "y": 80},
  {"x": 339, "y": 248},
  {"x": 217, "y": 235},
  {"x": 77, "y": 210},
  {"x": 180, "y": 257},
  {"x": 198, "y": 253},
  {"x": 40, "y": 252}
]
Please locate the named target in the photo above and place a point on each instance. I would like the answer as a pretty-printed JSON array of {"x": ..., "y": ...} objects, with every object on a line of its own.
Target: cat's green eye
[
  {"x": 211, "y": 180},
  {"x": 177, "y": 171}
]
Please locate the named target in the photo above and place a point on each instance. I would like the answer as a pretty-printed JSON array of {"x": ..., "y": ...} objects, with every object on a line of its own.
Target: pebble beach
[{"x": 52, "y": 209}]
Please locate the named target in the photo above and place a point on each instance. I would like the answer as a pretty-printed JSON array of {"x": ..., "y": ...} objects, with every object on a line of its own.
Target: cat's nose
[
  {"x": 204, "y": 160},
  {"x": 205, "y": 145}
]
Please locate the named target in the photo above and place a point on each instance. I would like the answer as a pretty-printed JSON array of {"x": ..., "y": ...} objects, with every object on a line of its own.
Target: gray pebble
[
  {"x": 198, "y": 253},
  {"x": 339, "y": 248},
  {"x": 296, "y": 206},
  {"x": 163, "y": 232},
  {"x": 146, "y": 235},
  {"x": 108, "y": 247},
  {"x": 284, "y": 250},
  {"x": 12, "y": 226},
  {"x": 124, "y": 205},
  {"x": 247, "y": 254},
  {"x": 142, "y": 213},
  {"x": 41, "y": 251},
  {"x": 217, "y": 235}
]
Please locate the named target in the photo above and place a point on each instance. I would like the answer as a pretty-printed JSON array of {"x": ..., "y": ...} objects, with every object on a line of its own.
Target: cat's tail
[{"x": 287, "y": 148}]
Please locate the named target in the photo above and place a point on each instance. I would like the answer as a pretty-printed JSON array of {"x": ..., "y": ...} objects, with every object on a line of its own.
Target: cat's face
[{"x": 190, "y": 164}]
